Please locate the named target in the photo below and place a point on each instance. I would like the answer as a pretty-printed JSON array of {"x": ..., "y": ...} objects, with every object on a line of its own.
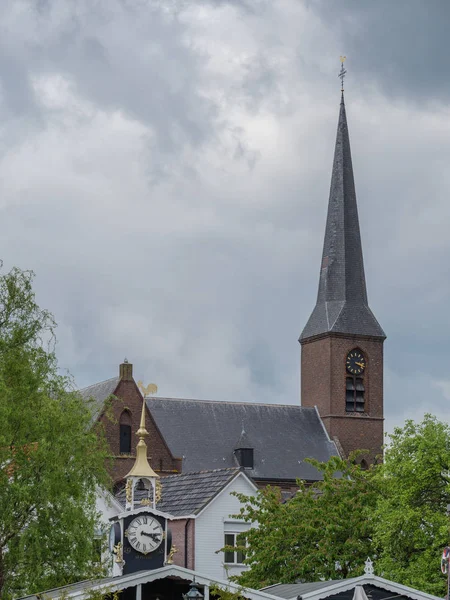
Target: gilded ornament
[
  {"x": 146, "y": 502},
  {"x": 173, "y": 550},
  {"x": 158, "y": 491},
  {"x": 151, "y": 388},
  {"x": 129, "y": 490},
  {"x": 118, "y": 551}
]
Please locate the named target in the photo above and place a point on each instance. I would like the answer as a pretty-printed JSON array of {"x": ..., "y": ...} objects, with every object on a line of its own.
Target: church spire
[{"x": 342, "y": 305}]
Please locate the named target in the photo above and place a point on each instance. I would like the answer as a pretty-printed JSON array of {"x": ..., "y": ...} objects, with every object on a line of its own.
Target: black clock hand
[{"x": 151, "y": 535}]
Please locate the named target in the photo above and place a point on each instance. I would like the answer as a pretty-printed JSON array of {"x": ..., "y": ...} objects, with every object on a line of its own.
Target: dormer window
[{"x": 245, "y": 457}]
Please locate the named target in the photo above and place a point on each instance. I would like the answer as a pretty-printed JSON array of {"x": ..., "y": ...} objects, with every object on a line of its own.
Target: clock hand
[
  {"x": 360, "y": 365},
  {"x": 151, "y": 535}
]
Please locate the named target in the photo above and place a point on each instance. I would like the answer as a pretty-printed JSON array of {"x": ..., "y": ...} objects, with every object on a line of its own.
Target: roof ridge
[
  {"x": 230, "y": 402},
  {"x": 234, "y": 469},
  {"x": 98, "y": 383}
]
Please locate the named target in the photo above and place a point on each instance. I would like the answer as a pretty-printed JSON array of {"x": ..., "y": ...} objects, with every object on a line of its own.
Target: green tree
[
  {"x": 51, "y": 460},
  {"x": 412, "y": 522},
  {"x": 322, "y": 532}
]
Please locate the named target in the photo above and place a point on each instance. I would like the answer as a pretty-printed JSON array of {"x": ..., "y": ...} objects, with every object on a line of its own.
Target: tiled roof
[
  {"x": 188, "y": 493},
  {"x": 342, "y": 305},
  {"x": 99, "y": 392},
  {"x": 206, "y": 433}
]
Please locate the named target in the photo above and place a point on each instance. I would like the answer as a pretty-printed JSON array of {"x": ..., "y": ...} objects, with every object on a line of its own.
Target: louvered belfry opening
[{"x": 354, "y": 397}]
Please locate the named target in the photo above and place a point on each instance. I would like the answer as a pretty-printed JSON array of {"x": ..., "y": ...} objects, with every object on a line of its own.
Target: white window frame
[{"x": 235, "y": 561}]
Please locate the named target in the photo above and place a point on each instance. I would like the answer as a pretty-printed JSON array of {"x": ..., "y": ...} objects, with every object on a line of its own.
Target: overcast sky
[{"x": 165, "y": 168}]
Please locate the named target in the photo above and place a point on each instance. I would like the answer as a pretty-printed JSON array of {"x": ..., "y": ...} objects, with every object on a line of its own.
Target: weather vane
[
  {"x": 151, "y": 388},
  {"x": 342, "y": 72}
]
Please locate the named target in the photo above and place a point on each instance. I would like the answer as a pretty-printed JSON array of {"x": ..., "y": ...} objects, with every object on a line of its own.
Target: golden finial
[
  {"x": 142, "y": 431},
  {"x": 342, "y": 73},
  {"x": 141, "y": 467}
]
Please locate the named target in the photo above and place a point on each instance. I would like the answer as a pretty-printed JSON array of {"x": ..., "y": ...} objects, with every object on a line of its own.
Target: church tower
[{"x": 342, "y": 342}]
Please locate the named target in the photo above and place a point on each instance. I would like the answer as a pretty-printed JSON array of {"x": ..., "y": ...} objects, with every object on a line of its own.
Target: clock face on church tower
[
  {"x": 356, "y": 363},
  {"x": 145, "y": 534}
]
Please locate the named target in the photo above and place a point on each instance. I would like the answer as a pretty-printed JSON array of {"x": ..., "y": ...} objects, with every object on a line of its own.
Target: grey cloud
[
  {"x": 137, "y": 61},
  {"x": 402, "y": 46},
  {"x": 173, "y": 208}
]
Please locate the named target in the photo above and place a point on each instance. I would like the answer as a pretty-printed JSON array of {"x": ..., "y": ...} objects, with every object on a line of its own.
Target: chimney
[{"x": 126, "y": 371}]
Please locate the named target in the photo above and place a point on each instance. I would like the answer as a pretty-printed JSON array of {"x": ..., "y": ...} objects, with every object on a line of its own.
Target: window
[
  {"x": 230, "y": 557},
  {"x": 354, "y": 396},
  {"x": 125, "y": 432},
  {"x": 97, "y": 547},
  {"x": 245, "y": 457}
]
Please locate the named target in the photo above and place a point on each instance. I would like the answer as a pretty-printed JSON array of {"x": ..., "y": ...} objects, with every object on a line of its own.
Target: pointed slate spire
[{"x": 342, "y": 305}]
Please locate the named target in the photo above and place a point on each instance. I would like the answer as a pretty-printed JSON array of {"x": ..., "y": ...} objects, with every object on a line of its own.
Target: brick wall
[
  {"x": 180, "y": 529},
  {"x": 129, "y": 398},
  {"x": 323, "y": 384}
]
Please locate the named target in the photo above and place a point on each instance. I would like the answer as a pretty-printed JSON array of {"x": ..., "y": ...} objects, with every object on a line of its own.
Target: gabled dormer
[{"x": 244, "y": 451}]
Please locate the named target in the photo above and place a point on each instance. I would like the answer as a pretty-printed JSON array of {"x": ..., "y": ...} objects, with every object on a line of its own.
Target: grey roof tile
[
  {"x": 99, "y": 392},
  {"x": 342, "y": 305},
  {"x": 205, "y": 434},
  {"x": 188, "y": 493}
]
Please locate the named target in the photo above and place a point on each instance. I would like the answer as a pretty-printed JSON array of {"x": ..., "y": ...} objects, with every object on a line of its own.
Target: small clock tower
[
  {"x": 140, "y": 538},
  {"x": 342, "y": 342}
]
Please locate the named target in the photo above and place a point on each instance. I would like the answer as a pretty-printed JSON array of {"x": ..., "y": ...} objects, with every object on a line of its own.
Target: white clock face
[{"x": 145, "y": 534}]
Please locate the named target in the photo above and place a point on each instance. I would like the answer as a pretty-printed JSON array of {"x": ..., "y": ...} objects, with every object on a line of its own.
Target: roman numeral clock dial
[
  {"x": 356, "y": 363},
  {"x": 145, "y": 534}
]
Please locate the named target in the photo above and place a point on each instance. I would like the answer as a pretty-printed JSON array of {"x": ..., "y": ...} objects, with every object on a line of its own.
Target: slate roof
[
  {"x": 205, "y": 434},
  {"x": 99, "y": 392},
  {"x": 188, "y": 493},
  {"x": 342, "y": 305}
]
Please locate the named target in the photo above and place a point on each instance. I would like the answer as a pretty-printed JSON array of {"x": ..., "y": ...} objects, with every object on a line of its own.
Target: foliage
[
  {"x": 221, "y": 593},
  {"x": 396, "y": 513},
  {"x": 50, "y": 458},
  {"x": 103, "y": 594},
  {"x": 411, "y": 516},
  {"x": 322, "y": 532}
]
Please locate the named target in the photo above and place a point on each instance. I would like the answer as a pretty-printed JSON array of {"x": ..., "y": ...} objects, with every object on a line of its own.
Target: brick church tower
[{"x": 342, "y": 342}]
